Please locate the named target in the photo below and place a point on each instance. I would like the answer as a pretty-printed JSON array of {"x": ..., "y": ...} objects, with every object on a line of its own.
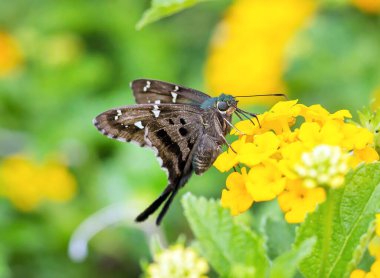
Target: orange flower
[
  {"x": 370, "y": 6},
  {"x": 10, "y": 54}
]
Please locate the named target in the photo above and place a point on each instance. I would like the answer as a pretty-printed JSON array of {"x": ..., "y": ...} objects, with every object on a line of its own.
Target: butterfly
[{"x": 184, "y": 127}]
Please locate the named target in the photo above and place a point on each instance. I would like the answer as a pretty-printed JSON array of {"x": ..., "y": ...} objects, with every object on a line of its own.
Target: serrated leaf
[
  {"x": 231, "y": 248},
  {"x": 285, "y": 266},
  {"x": 342, "y": 225},
  {"x": 279, "y": 234},
  {"x": 164, "y": 8}
]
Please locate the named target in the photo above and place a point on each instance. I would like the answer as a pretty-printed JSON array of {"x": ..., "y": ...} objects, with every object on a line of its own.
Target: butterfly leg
[{"x": 228, "y": 144}]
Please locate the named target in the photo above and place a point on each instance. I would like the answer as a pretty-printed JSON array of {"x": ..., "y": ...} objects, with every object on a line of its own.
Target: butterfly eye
[{"x": 222, "y": 106}]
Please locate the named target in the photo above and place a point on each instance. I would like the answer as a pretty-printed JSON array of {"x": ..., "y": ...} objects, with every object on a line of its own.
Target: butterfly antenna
[
  {"x": 155, "y": 205},
  {"x": 167, "y": 205},
  {"x": 266, "y": 95},
  {"x": 231, "y": 125}
]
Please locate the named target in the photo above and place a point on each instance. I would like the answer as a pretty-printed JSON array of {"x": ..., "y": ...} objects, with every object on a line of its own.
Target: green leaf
[
  {"x": 164, "y": 8},
  {"x": 231, "y": 248},
  {"x": 285, "y": 266},
  {"x": 342, "y": 225},
  {"x": 279, "y": 234}
]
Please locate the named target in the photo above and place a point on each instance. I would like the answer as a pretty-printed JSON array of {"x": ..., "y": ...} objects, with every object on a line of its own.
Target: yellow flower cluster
[
  {"x": 295, "y": 163},
  {"x": 26, "y": 184},
  {"x": 251, "y": 30},
  {"x": 178, "y": 262},
  {"x": 374, "y": 250},
  {"x": 370, "y": 6},
  {"x": 10, "y": 54}
]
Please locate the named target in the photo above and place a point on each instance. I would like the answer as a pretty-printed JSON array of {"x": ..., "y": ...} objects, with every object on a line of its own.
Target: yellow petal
[
  {"x": 236, "y": 198},
  {"x": 262, "y": 148}
]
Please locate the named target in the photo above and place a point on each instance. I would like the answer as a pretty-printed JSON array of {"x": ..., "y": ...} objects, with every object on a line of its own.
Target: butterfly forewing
[
  {"x": 172, "y": 134},
  {"x": 154, "y": 91}
]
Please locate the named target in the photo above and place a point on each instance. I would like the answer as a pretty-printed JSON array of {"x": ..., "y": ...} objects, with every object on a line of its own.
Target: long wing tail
[{"x": 170, "y": 192}]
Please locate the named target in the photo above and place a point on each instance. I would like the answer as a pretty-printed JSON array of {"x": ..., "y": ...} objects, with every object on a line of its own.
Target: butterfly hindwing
[
  {"x": 151, "y": 91},
  {"x": 172, "y": 134}
]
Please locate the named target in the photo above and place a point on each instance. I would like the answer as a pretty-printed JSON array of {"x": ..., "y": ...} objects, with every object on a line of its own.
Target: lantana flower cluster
[
  {"x": 293, "y": 153},
  {"x": 178, "y": 262}
]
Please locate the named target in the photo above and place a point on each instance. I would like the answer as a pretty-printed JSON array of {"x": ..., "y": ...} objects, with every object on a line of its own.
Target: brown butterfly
[{"x": 184, "y": 127}]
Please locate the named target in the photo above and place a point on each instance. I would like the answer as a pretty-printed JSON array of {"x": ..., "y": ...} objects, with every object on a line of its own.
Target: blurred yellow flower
[
  {"x": 370, "y": 6},
  {"x": 247, "y": 53},
  {"x": 26, "y": 184},
  {"x": 296, "y": 165},
  {"x": 10, "y": 54},
  {"x": 178, "y": 262},
  {"x": 375, "y": 104}
]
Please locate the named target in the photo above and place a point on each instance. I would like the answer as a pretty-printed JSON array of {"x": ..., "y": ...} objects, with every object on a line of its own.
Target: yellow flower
[
  {"x": 358, "y": 273},
  {"x": 236, "y": 198},
  {"x": 370, "y": 6},
  {"x": 308, "y": 159},
  {"x": 228, "y": 159},
  {"x": 265, "y": 181},
  {"x": 374, "y": 272},
  {"x": 278, "y": 119},
  {"x": 178, "y": 262},
  {"x": 378, "y": 224},
  {"x": 297, "y": 201},
  {"x": 251, "y": 30},
  {"x": 374, "y": 247},
  {"x": 261, "y": 149},
  {"x": 10, "y": 54},
  {"x": 26, "y": 184}
]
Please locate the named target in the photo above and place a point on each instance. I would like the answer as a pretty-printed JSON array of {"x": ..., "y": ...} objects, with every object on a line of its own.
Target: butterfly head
[{"x": 225, "y": 104}]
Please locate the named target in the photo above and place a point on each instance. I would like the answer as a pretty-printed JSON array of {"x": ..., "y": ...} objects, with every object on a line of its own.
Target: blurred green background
[{"x": 64, "y": 62}]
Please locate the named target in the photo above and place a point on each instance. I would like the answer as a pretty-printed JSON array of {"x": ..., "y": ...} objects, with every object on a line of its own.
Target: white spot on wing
[
  {"x": 121, "y": 139},
  {"x": 176, "y": 88},
  {"x": 157, "y": 101},
  {"x": 139, "y": 125},
  {"x": 156, "y": 113},
  {"x": 174, "y": 95},
  {"x": 147, "y": 86},
  {"x": 118, "y": 111},
  {"x": 156, "y": 110}
]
